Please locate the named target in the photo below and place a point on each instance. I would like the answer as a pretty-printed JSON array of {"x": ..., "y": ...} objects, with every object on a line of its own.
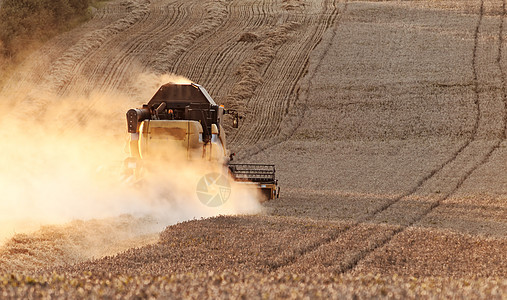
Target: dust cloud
[{"x": 62, "y": 160}]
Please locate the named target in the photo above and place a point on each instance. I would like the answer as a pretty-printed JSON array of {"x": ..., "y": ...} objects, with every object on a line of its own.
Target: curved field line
[
  {"x": 108, "y": 73},
  {"x": 63, "y": 69},
  {"x": 295, "y": 85},
  {"x": 144, "y": 39},
  {"x": 115, "y": 70},
  {"x": 211, "y": 61},
  {"x": 78, "y": 68},
  {"x": 216, "y": 13},
  {"x": 34, "y": 71},
  {"x": 274, "y": 117},
  {"x": 221, "y": 62},
  {"x": 453, "y": 158},
  {"x": 270, "y": 113},
  {"x": 419, "y": 184},
  {"x": 487, "y": 155},
  {"x": 251, "y": 69}
]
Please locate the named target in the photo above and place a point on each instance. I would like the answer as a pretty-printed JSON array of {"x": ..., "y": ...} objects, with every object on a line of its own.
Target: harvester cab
[{"x": 181, "y": 121}]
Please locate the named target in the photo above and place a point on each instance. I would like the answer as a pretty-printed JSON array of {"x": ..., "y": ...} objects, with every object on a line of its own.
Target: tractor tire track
[
  {"x": 216, "y": 13},
  {"x": 144, "y": 47},
  {"x": 292, "y": 64},
  {"x": 63, "y": 69},
  {"x": 391, "y": 231},
  {"x": 77, "y": 73},
  {"x": 217, "y": 54},
  {"x": 333, "y": 18},
  {"x": 265, "y": 50},
  {"x": 250, "y": 90},
  {"x": 105, "y": 71},
  {"x": 223, "y": 49},
  {"x": 262, "y": 18},
  {"x": 115, "y": 71},
  {"x": 111, "y": 73}
]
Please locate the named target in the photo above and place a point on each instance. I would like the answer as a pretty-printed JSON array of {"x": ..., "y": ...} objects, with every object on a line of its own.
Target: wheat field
[{"x": 387, "y": 122}]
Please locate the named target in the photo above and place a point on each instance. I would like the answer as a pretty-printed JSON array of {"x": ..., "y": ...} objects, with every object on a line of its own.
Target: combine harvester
[{"x": 181, "y": 121}]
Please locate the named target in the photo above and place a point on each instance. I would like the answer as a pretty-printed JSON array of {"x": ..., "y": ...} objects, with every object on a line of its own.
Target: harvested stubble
[
  {"x": 74, "y": 242},
  {"x": 393, "y": 95},
  {"x": 234, "y": 257},
  {"x": 431, "y": 252},
  {"x": 249, "y": 285},
  {"x": 250, "y": 243}
]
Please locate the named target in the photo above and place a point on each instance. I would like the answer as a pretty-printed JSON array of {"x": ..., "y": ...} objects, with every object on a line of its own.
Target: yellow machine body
[{"x": 176, "y": 140}]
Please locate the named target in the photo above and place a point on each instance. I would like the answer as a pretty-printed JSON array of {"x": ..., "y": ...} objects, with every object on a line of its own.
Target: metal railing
[{"x": 253, "y": 172}]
